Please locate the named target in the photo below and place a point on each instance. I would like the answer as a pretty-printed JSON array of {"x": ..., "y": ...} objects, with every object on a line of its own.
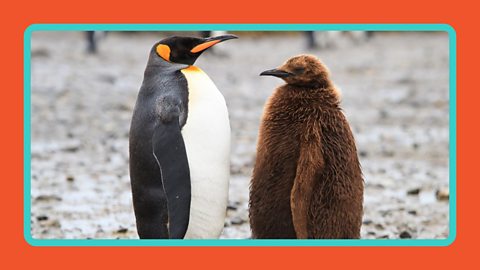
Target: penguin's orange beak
[{"x": 209, "y": 42}]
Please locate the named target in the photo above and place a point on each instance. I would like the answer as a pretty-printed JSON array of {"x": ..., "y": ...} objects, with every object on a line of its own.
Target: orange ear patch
[
  {"x": 204, "y": 46},
  {"x": 164, "y": 51}
]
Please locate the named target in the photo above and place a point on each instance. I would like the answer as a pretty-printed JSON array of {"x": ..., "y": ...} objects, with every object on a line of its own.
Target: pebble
[
  {"x": 233, "y": 205},
  {"x": 40, "y": 52},
  {"x": 367, "y": 222},
  {"x": 122, "y": 230},
  {"x": 388, "y": 153},
  {"x": 442, "y": 194},
  {"x": 414, "y": 191},
  {"x": 237, "y": 221},
  {"x": 405, "y": 235},
  {"x": 46, "y": 198},
  {"x": 42, "y": 218},
  {"x": 363, "y": 153}
]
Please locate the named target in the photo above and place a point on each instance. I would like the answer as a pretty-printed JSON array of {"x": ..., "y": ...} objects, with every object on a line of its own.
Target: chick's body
[{"x": 307, "y": 181}]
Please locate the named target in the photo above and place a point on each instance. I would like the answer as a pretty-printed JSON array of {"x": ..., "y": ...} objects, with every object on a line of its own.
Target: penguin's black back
[{"x": 161, "y": 110}]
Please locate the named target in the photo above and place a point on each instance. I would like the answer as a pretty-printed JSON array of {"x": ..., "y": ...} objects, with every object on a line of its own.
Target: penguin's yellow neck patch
[
  {"x": 164, "y": 51},
  {"x": 192, "y": 69}
]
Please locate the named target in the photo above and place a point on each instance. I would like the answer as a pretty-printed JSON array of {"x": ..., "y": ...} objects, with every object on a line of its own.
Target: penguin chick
[{"x": 307, "y": 181}]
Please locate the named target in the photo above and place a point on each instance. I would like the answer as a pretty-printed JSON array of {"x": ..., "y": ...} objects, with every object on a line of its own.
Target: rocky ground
[{"x": 395, "y": 95}]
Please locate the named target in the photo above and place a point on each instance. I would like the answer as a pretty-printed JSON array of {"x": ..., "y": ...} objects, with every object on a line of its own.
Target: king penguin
[
  {"x": 179, "y": 145},
  {"x": 307, "y": 181}
]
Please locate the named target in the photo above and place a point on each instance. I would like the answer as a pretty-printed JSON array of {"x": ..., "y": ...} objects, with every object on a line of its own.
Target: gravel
[{"x": 395, "y": 96}]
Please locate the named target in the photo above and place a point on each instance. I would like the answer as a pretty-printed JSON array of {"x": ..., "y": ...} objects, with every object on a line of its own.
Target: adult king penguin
[
  {"x": 307, "y": 181},
  {"x": 179, "y": 145}
]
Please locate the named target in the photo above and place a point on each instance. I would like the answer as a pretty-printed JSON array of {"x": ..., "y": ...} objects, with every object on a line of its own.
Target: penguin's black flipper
[{"x": 170, "y": 153}]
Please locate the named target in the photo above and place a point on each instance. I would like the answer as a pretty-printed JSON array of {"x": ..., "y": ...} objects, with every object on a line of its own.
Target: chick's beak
[
  {"x": 276, "y": 72},
  {"x": 209, "y": 42}
]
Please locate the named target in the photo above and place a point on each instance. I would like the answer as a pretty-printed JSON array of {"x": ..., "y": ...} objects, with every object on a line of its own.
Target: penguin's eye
[
  {"x": 298, "y": 70},
  {"x": 164, "y": 51}
]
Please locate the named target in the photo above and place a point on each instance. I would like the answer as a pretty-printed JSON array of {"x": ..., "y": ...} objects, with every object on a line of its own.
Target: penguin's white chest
[{"x": 207, "y": 140}]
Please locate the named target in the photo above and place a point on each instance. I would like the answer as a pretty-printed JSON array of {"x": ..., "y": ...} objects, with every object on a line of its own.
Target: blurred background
[{"x": 394, "y": 92}]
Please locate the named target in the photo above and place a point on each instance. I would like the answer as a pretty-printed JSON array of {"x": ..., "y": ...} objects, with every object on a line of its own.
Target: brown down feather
[{"x": 307, "y": 181}]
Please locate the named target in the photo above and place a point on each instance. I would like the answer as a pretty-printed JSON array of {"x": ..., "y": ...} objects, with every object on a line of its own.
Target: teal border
[{"x": 243, "y": 27}]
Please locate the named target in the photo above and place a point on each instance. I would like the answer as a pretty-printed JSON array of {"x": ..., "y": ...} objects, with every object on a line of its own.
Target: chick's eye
[{"x": 298, "y": 70}]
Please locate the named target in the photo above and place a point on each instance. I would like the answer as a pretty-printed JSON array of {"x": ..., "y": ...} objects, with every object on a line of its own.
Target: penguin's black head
[
  {"x": 186, "y": 50},
  {"x": 302, "y": 70}
]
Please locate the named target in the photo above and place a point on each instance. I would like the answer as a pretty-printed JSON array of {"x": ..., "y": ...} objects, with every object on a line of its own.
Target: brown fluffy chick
[{"x": 307, "y": 181}]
